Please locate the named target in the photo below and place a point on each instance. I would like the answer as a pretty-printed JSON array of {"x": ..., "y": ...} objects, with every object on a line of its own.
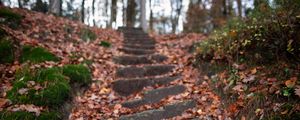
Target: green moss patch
[
  {"x": 45, "y": 87},
  {"x": 22, "y": 115},
  {"x": 6, "y": 51},
  {"x": 11, "y": 18},
  {"x": 104, "y": 44},
  {"x": 78, "y": 74},
  {"x": 87, "y": 35},
  {"x": 36, "y": 55}
]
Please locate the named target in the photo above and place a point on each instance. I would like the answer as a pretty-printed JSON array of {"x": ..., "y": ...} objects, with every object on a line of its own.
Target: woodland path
[
  {"x": 148, "y": 78},
  {"x": 140, "y": 49}
]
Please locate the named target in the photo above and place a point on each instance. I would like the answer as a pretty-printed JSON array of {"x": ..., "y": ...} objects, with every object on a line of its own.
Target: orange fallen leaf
[
  {"x": 291, "y": 82},
  {"x": 3, "y": 102}
]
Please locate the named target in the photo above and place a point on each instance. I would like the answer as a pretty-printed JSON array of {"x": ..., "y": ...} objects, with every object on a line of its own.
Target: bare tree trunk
[
  {"x": 239, "y": 3},
  {"x": 82, "y": 11},
  {"x": 151, "y": 16},
  {"x": 113, "y": 12},
  {"x": 55, "y": 7},
  {"x": 143, "y": 15},
  {"x": 93, "y": 11},
  {"x": 175, "y": 18},
  {"x": 20, "y": 4},
  {"x": 130, "y": 13}
]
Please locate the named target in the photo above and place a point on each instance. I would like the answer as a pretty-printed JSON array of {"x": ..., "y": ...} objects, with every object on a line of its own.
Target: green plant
[
  {"x": 87, "y": 35},
  {"x": 45, "y": 87},
  {"x": 78, "y": 74},
  {"x": 10, "y": 18},
  {"x": 6, "y": 51},
  {"x": 22, "y": 115},
  {"x": 36, "y": 54},
  {"x": 104, "y": 44}
]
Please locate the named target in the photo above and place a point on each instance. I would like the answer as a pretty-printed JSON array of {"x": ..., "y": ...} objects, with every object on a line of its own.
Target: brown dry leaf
[
  {"x": 249, "y": 79},
  {"x": 238, "y": 88},
  {"x": 23, "y": 91},
  {"x": 291, "y": 82},
  {"x": 3, "y": 102},
  {"x": 297, "y": 91},
  {"x": 253, "y": 71}
]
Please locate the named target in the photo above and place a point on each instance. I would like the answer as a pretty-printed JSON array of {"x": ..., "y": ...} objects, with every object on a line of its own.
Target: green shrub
[
  {"x": 50, "y": 88},
  {"x": 22, "y": 115},
  {"x": 6, "y": 51},
  {"x": 87, "y": 35},
  {"x": 36, "y": 54},
  {"x": 78, "y": 74}
]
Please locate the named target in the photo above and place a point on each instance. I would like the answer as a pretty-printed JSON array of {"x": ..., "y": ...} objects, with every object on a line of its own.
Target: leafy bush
[
  {"x": 36, "y": 54},
  {"x": 87, "y": 35},
  {"x": 6, "y": 51},
  {"x": 78, "y": 74},
  {"x": 266, "y": 37},
  {"x": 45, "y": 87},
  {"x": 22, "y": 115}
]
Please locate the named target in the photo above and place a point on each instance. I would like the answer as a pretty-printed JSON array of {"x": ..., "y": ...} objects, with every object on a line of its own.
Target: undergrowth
[
  {"x": 257, "y": 58},
  {"x": 36, "y": 54}
]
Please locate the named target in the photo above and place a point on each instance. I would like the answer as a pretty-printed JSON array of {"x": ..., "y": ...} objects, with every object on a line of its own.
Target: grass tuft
[
  {"x": 22, "y": 115},
  {"x": 78, "y": 74},
  {"x": 36, "y": 55},
  {"x": 44, "y": 87},
  {"x": 87, "y": 35},
  {"x": 6, "y": 51}
]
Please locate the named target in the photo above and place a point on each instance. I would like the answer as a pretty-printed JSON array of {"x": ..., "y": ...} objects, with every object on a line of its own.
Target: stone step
[
  {"x": 140, "y": 41},
  {"x": 130, "y": 86},
  {"x": 165, "y": 112},
  {"x": 138, "y": 46},
  {"x": 142, "y": 59},
  {"x": 136, "y": 51},
  {"x": 148, "y": 70},
  {"x": 155, "y": 96}
]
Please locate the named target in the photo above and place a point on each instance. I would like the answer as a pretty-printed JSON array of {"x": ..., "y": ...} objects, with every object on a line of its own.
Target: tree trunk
[
  {"x": 93, "y": 11},
  {"x": 82, "y": 11},
  {"x": 143, "y": 15},
  {"x": 239, "y": 4},
  {"x": 20, "y": 4},
  {"x": 130, "y": 13},
  {"x": 55, "y": 7},
  {"x": 151, "y": 16},
  {"x": 113, "y": 12},
  {"x": 175, "y": 18}
]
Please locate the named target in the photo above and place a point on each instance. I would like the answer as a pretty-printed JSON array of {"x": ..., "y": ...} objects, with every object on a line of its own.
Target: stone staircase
[{"x": 141, "y": 70}]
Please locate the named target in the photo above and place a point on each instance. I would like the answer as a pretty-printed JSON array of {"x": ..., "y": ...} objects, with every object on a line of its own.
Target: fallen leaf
[
  {"x": 297, "y": 91},
  {"x": 3, "y": 102},
  {"x": 249, "y": 79},
  {"x": 253, "y": 71},
  {"x": 238, "y": 88},
  {"x": 23, "y": 91},
  {"x": 291, "y": 82}
]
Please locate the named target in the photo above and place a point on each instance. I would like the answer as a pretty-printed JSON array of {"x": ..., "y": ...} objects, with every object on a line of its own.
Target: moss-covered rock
[
  {"x": 11, "y": 18},
  {"x": 44, "y": 87},
  {"x": 22, "y": 115},
  {"x": 36, "y": 54},
  {"x": 6, "y": 51},
  {"x": 78, "y": 74}
]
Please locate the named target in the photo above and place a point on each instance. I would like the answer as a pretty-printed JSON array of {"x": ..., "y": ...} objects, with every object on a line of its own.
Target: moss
[
  {"x": 104, "y": 44},
  {"x": 55, "y": 88},
  {"x": 87, "y": 35},
  {"x": 78, "y": 74},
  {"x": 6, "y": 51},
  {"x": 22, "y": 115},
  {"x": 12, "y": 19},
  {"x": 36, "y": 54}
]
